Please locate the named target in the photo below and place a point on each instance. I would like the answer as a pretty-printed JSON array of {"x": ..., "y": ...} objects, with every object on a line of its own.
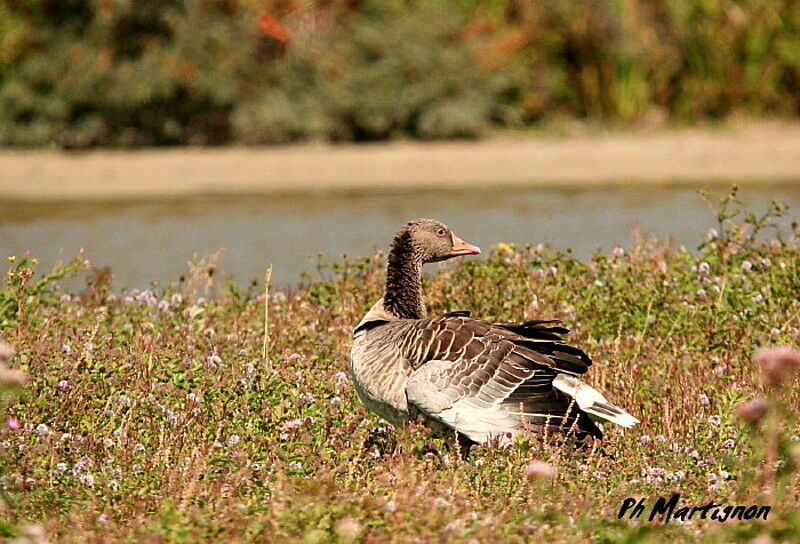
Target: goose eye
[{"x": 441, "y": 232}]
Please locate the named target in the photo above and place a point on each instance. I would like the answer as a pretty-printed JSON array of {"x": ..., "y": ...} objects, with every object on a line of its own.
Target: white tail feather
[{"x": 592, "y": 401}]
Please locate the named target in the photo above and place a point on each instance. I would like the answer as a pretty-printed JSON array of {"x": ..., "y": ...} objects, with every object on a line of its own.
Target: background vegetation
[
  {"x": 77, "y": 73},
  {"x": 152, "y": 416}
]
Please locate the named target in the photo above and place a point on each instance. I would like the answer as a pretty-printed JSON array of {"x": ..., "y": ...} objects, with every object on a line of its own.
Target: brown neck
[{"x": 403, "y": 296}]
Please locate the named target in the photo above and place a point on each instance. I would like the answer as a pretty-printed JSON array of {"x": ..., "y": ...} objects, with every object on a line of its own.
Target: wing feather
[{"x": 486, "y": 379}]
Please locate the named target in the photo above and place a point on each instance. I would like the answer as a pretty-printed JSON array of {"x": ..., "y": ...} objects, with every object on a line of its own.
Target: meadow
[{"x": 155, "y": 416}]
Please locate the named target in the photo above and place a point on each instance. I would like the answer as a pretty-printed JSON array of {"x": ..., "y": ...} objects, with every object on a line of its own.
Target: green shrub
[
  {"x": 136, "y": 73},
  {"x": 162, "y": 72},
  {"x": 22, "y": 287},
  {"x": 396, "y": 69}
]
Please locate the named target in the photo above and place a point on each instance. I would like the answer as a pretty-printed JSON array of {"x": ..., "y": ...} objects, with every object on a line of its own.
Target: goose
[{"x": 464, "y": 377}]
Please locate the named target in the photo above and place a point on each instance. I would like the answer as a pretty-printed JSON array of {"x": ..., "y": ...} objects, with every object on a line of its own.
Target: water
[{"x": 144, "y": 242}]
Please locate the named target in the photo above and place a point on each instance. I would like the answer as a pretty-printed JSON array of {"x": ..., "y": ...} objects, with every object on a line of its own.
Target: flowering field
[{"x": 154, "y": 416}]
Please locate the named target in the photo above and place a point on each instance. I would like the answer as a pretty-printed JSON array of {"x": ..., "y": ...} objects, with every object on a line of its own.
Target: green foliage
[
  {"x": 392, "y": 71},
  {"x": 132, "y": 73},
  {"x": 21, "y": 286},
  {"x": 627, "y": 60},
  {"x": 163, "y": 72}
]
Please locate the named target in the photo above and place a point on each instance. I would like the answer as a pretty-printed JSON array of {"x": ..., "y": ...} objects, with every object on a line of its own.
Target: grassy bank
[{"x": 152, "y": 416}]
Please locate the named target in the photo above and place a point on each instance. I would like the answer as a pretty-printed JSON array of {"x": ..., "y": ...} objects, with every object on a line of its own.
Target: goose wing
[{"x": 487, "y": 380}]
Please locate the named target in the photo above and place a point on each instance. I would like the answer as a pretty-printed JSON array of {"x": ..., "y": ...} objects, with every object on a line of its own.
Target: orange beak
[{"x": 460, "y": 247}]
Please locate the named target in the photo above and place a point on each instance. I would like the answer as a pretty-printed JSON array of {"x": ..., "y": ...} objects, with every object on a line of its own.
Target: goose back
[{"x": 482, "y": 378}]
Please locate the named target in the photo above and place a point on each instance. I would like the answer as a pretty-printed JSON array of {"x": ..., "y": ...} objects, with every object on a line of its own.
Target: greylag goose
[{"x": 464, "y": 376}]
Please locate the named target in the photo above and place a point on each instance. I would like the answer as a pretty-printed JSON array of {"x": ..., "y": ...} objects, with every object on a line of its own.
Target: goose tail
[{"x": 592, "y": 401}]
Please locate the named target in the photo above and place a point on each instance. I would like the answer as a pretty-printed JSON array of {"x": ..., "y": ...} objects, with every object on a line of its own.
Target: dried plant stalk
[{"x": 265, "y": 347}]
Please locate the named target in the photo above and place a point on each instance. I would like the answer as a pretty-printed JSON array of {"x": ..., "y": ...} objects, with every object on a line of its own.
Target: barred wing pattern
[{"x": 487, "y": 380}]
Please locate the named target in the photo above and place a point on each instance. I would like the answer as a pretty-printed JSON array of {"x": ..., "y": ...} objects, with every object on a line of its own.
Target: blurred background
[{"x": 89, "y": 78}]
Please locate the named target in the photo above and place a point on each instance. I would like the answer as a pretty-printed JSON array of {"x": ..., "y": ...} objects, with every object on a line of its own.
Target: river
[{"x": 152, "y": 241}]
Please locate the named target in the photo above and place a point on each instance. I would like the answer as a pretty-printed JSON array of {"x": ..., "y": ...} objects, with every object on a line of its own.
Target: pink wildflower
[
  {"x": 6, "y": 351},
  {"x": 779, "y": 365},
  {"x": 751, "y": 411},
  {"x": 540, "y": 469}
]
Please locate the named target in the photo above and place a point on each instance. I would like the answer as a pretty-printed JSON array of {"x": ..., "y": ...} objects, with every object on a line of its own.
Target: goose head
[{"x": 430, "y": 241}]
